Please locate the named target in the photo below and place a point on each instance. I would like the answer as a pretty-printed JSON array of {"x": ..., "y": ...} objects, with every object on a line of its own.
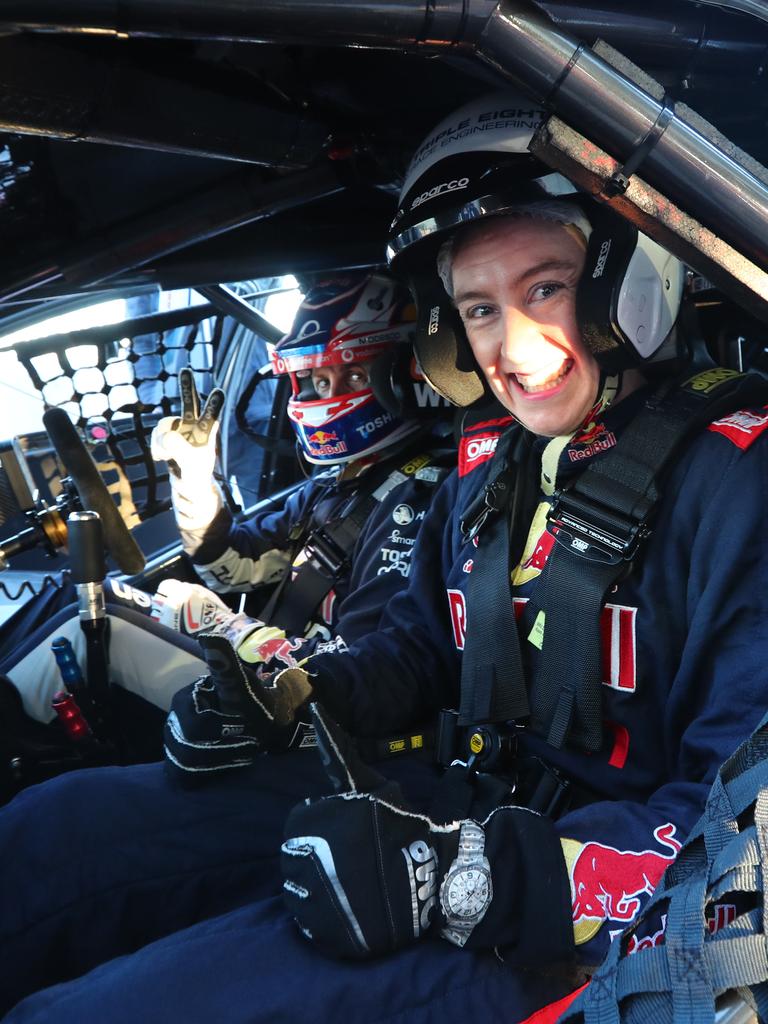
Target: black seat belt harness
[{"x": 599, "y": 523}]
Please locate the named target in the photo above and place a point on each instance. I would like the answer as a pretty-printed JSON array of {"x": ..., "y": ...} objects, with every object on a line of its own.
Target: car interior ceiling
[{"x": 247, "y": 147}]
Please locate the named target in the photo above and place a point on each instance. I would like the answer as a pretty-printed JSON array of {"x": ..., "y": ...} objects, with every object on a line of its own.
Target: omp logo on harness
[
  {"x": 434, "y": 320},
  {"x": 742, "y": 427},
  {"x": 709, "y": 379},
  {"x": 606, "y": 883},
  {"x": 421, "y": 864},
  {"x": 474, "y": 451}
]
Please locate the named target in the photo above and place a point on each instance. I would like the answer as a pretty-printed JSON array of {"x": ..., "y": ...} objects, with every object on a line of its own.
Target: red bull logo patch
[
  {"x": 535, "y": 562},
  {"x": 326, "y": 443},
  {"x": 538, "y": 546},
  {"x": 593, "y": 440},
  {"x": 608, "y": 884},
  {"x": 279, "y": 649},
  {"x": 718, "y": 916},
  {"x": 742, "y": 427}
]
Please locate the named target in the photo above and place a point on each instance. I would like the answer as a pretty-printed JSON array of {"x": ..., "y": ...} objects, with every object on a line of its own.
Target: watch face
[{"x": 467, "y": 893}]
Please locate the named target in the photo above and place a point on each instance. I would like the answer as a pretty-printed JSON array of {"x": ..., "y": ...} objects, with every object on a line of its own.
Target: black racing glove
[
  {"x": 365, "y": 875},
  {"x": 200, "y": 741}
]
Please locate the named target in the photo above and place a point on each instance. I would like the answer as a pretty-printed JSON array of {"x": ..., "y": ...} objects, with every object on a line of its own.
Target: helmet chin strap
[{"x": 608, "y": 388}]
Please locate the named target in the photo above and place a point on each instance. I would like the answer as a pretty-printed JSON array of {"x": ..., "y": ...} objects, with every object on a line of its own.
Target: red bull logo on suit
[{"x": 607, "y": 884}]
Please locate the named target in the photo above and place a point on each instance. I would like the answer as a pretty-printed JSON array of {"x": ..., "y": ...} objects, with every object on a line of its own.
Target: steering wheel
[{"x": 92, "y": 490}]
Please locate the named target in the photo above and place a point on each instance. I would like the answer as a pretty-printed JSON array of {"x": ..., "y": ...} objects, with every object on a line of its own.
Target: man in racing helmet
[
  {"x": 541, "y": 856},
  {"x": 348, "y": 329},
  {"x": 347, "y": 537},
  {"x": 344, "y": 330}
]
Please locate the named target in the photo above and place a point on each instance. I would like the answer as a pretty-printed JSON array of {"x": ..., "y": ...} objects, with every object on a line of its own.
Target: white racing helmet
[{"x": 476, "y": 164}]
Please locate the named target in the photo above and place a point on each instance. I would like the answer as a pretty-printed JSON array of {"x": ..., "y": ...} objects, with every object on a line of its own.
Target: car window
[{"x": 112, "y": 364}]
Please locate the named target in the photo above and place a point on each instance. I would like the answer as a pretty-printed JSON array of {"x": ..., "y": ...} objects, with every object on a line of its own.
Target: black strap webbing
[
  {"x": 567, "y": 696},
  {"x": 492, "y": 681},
  {"x": 331, "y": 544},
  {"x": 614, "y": 499},
  {"x": 602, "y": 518}
]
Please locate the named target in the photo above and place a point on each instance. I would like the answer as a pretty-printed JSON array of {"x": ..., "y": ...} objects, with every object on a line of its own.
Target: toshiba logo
[{"x": 605, "y": 248}]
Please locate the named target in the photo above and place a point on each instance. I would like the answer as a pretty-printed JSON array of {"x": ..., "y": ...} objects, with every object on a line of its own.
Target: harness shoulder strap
[
  {"x": 329, "y": 545},
  {"x": 600, "y": 521},
  {"x": 492, "y": 682}
]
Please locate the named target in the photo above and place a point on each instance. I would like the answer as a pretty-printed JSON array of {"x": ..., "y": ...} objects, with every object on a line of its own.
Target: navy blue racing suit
[{"x": 684, "y": 642}]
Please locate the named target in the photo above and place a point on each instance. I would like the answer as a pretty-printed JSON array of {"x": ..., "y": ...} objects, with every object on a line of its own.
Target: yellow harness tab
[{"x": 536, "y": 636}]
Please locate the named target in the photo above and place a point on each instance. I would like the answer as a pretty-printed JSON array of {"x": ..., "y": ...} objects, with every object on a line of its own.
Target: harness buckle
[
  {"x": 492, "y": 499},
  {"x": 593, "y": 531},
  {"x": 326, "y": 553}
]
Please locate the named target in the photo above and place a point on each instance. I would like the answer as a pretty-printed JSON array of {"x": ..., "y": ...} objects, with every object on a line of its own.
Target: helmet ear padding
[
  {"x": 441, "y": 346},
  {"x": 629, "y": 293},
  {"x": 402, "y": 393}
]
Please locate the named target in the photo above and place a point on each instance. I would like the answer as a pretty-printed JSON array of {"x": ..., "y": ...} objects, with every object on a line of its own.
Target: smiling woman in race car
[{"x": 593, "y": 634}]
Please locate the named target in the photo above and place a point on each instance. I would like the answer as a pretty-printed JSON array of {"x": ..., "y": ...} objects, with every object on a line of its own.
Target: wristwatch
[{"x": 466, "y": 891}]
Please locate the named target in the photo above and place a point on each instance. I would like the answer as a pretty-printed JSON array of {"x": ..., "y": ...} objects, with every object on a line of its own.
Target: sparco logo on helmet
[
  {"x": 445, "y": 186},
  {"x": 434, "y": 320},
  {"x": 605, "y": 248}
]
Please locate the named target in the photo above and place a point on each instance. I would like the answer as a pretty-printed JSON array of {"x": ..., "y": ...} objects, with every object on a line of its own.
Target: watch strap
[
  {"x": 470, "y": 854},
  {"x": 471, "y": 844}
]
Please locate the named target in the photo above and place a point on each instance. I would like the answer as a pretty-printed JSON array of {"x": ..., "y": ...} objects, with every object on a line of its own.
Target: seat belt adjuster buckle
[
  {"x": 593, "y": 531},
  {"x": 492, "y": 498},
  {"x": 326, "y": 554}
]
